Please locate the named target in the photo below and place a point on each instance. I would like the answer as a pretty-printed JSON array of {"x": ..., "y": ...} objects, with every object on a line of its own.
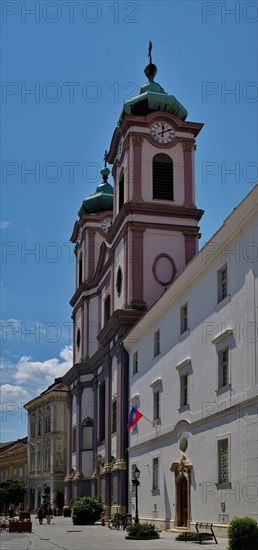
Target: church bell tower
[
  {"x": 131, "y": 241},
  {"x": 152, "y": 153}
]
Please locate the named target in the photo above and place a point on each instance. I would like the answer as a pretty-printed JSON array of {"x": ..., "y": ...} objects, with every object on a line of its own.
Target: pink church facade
[{"x": 132, "y": 241}]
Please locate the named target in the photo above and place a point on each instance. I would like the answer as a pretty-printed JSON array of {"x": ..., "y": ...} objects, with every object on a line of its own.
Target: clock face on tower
[{"x": 162, "y": 132}]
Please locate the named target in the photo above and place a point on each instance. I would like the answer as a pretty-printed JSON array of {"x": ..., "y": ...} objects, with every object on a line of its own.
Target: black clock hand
[{"x": 163, "y": 131}]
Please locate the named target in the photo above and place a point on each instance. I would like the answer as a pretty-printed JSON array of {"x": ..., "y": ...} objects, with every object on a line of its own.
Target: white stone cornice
[
  {"x": 237, "y": 409},
  {"x": 183, "y": 364},
  {"x": 222, "y": 336},
  {"x": 156, "y": 383}
]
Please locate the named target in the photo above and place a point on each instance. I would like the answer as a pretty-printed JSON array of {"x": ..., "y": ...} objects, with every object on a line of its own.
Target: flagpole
[{"x": 146, "y": 418}]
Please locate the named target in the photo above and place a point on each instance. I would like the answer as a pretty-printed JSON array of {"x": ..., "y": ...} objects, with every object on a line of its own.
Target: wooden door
[{"x": 183, "y": 502}]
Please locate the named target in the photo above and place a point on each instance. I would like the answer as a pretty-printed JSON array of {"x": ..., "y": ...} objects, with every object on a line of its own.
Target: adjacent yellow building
[{"x": 13, "y": 460}]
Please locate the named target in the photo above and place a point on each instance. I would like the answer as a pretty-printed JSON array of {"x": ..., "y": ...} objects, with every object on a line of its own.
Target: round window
[
  {"x": 119, "y": 279},
  {"x": 183, "y": 444}
]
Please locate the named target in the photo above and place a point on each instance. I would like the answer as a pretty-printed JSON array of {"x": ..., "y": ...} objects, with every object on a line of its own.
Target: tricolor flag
[{"x": 133, "y": 417}]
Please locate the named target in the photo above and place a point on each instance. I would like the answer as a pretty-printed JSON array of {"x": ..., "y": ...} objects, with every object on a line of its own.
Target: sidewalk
[{"x": 61, "y": 534}]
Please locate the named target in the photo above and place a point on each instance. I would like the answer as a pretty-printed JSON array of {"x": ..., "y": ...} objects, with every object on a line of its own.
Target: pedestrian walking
[
  {"x": 49, "y": 513},
  {"x": 41, "y": 514},
  {"x": 11, "y": 511}
]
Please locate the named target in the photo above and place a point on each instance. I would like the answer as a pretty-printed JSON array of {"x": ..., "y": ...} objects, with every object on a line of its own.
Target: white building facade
[
  {"x": 193, "y": 375},
  {"x": 47, "y": 436}
]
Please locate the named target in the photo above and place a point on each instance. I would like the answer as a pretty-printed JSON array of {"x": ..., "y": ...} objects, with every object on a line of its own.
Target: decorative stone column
[
  {"x": 137, "y": 168},
  {"x": 120, "y": 484},
  {"x": 190, "y": 245},
  {"x": 90, "y": 258},
  {"x": 136, "y": 268},
  {"x": 188, "y": 147},
  {"x": 68, "y": 477},
  {"x": 78, "y": 473}
]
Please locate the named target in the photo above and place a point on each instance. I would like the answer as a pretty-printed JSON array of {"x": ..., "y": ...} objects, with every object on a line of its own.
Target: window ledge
[
  {"x": 155, "y": 356},
  {"x": 223, "y": 303},
  {"x": 184, "y": 335},
  {"x": 184, "y": 408},
  {"x": 223, "y": 389},
  {"x": 224, "y": 485}
]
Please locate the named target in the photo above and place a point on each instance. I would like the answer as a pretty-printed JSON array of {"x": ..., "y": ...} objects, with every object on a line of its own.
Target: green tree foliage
[
  {"x": 59, "y": 499},
  {"x": 243, "y": 534},
  {"x": 86, "y": 510},
  {"x": 11, "y": 491}
]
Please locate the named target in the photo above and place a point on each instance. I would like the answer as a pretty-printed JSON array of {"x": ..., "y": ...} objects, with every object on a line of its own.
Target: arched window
[
  {"x": 32, "y": 425},
  {"x": 80, "y": 270},
  {"x": 39, "y": 422},
  {"x": 87, "y": 433},
  {"x": 121, "y": 190},
  {"x": 47, "y": 420},
  {"x": 162, "y": 174},
  {"x": 78, "y": 339},
  {"x": 107, "y": 309},
  {"x": 119, "y": 279}
]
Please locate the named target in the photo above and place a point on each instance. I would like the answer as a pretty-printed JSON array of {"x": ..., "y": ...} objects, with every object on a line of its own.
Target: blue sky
[{"x": 83, "y": 59}]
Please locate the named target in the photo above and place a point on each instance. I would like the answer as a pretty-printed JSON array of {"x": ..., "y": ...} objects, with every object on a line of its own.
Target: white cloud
[
  {"x": 14, "y": 394},
  {"x": 4, "y": 225},
  {"x": 43, "y": 372},
  {"x": 29, "y": 378}
]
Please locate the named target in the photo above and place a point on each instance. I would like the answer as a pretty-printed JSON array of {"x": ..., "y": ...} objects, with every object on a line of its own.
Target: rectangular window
[
  {"x": 32, "y": 462},
  {"x": 47, "y": 459},
  {"x": 114, "y": 409},
  {"x": 223, "y": 461},
  {"x": 32, "y": 426},
  {"x": 223, "y": 368},
  {"x": 183, "y": 390},
  {"x": 135, "y": 362},
  {"x": 155, "y": 474},
  {"x": 21, "y": 473},
  {"x": 15, "y": 473},
  {"x": 222, "y": 281},
  {"x": 2, "y": 474},
  {"x": 156, "y": 412},
  {"x": 183, "y": 318},
  {"x": 39, "y": 460},
  {"x": 6, "y": 474},
  {"x": 156, "y": 343},
  {"x": 39, "y": 424}
]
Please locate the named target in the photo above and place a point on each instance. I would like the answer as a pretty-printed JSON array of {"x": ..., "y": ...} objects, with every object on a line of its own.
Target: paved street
[{"x": 63, "y": 535}]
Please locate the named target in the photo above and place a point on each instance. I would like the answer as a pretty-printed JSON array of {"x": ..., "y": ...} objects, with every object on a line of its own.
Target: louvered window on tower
[
  {"x": 163, "y": 177},
  {"x": 121, "y": 198}
]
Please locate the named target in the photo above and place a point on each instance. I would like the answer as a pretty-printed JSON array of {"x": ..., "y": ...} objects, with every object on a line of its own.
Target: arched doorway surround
[{"x": 182, "y": 471}]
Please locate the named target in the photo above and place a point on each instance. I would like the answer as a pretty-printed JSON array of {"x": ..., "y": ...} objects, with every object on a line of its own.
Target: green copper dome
[
  {"x": 152, "y": 97},
  {"x": 101, "y": 200}
]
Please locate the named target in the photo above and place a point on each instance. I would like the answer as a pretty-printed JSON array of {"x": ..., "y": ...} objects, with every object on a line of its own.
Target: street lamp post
[{"x": 136, "y": 483}]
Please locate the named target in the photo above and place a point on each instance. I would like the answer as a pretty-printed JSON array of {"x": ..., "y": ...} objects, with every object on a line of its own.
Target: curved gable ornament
[{"x": 181, "y": 468}]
